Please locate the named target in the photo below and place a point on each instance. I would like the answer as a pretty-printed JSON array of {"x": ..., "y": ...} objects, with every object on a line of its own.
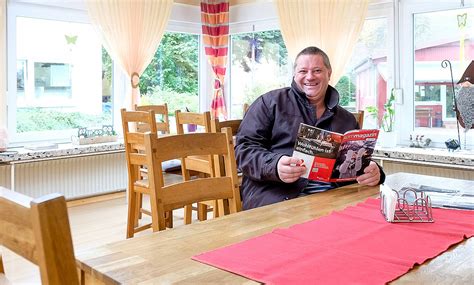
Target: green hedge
[{"x": 39, "y": 119}]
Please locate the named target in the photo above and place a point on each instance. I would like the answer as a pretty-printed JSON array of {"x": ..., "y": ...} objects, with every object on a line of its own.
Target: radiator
[
  {"x": 391, "y": 167},
  {"x": 5, "y": 175},
  {"x": 73, "y": 177}
]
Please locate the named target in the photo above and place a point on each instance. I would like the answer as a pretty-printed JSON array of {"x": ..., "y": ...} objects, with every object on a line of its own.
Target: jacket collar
[{"x": 331, "y": 99}]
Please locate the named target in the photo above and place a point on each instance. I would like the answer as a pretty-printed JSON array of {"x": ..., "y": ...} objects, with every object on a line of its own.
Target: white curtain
[
  {"x": 3, "y": 64},
  {"x": 131, "y": 31},
  {"x": 331, "y": 25}
]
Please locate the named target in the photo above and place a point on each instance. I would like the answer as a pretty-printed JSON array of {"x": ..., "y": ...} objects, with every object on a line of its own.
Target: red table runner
[{"x": 353, "y": 246}]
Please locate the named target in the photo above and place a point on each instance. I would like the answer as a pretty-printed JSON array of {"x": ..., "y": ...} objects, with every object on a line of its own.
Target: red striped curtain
[{"x": 215, "y": 30}]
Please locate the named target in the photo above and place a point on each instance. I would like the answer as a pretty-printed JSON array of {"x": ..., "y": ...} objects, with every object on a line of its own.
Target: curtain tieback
[
  {"x": 133, "y": 81},
  {"x": 217, "y": 83}
]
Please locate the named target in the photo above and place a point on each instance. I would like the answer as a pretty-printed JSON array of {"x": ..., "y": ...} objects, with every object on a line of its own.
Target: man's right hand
[{"x": 290, "y": 168}]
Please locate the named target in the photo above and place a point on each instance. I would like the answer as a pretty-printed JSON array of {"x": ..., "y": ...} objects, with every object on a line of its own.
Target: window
[
  {"x": 366, "y": 79},
  {"x": 63, "y": 75},
  {"x": 259, "y": 63},
  {"x": 172, "y": 76},
  {"x": 432, "y": 84},
  {"x": 427, "y": 86}
]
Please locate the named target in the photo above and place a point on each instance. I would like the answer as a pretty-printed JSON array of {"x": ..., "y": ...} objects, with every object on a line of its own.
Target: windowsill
[
  {"x": 437, "y": 156},
  {"x": 64, "y": 150},
  {"x": 434, "y": 156}
]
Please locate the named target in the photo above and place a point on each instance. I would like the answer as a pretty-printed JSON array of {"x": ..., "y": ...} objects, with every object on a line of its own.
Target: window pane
[
  {"x": 172, "y": 75},
  {"x": 434, "y": 41},
  {"x": 365, "y": 82},
  {"x": 259, "y": 63},
  {"x": 59, "y": 76}
]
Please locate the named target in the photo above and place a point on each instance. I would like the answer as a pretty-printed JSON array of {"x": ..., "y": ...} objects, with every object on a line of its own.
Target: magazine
[{"x": 333, "y": 157}]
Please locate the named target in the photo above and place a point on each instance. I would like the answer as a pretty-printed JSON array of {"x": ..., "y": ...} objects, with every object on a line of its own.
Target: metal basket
[{"x": 411, "y": 207}]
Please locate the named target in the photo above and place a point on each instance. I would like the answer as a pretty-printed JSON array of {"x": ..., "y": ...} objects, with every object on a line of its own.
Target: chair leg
[
  {"x": 140, "y": 206},
  {"x": 2, "y": 269},
  {"x": 169, "y": 219},
  {"x": 132, "y": 213},
  {"x": 154, "y": 212},
  {"x": 202, "y": 211},
  {"x": 220, "y": 206},
  {"x": 188, "y": 214}
]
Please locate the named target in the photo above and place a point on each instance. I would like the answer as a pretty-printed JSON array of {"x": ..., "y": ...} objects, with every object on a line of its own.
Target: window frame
[
  {"x": 183, "y": 19},
  {"x": 18, "y": 9}
]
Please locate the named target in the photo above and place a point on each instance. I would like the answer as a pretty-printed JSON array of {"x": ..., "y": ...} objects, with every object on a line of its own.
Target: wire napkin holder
[{"x": 411, "y": 206}]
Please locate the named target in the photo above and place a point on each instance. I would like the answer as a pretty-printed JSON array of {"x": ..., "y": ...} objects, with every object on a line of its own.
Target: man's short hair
[{"x": 314, "y": 51}]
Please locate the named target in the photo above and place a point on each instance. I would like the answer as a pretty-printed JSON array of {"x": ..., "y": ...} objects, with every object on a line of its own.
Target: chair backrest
[
  {"x": 134, "y": 141},
  {"x": 217, "y": 126},
  {"x": 199, "y": 119},
  {"x": 39, "y": 230},
  {"x": 224, "y": 188},
  {"x": 359, "y": 116},
  {"x": 162, "y": 118},
  {"x": 203, "y": 164},
  {"x": 234, "y": 125}
]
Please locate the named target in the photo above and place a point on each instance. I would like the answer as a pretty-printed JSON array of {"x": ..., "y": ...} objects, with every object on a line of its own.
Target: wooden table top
[{"x": 165, "y": 257}]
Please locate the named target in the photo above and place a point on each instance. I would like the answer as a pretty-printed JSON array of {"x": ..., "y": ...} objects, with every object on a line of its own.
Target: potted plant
[{"x": 388, "y": 136}]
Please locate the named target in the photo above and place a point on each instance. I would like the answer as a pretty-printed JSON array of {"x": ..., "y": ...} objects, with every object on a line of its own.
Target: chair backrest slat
[
  {"x": 15, "y": 213},
  {"x": 197, "y": 190},
  {"x": 200, "y": 119},
  {"x": 198, "y": 144}
]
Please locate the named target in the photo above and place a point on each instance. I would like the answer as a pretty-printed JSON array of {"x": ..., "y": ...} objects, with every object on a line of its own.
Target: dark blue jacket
[{"x": 268, "y": 131}]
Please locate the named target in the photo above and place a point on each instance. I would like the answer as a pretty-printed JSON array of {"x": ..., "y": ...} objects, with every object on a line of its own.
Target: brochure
[{"x": 333, "y": 157}]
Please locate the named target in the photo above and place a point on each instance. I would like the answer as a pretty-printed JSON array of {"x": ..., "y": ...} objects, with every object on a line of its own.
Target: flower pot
[{"x": 387, "y": 139}]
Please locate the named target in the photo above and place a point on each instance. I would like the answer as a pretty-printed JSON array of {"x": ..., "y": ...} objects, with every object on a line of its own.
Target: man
[{"x": 268, "y": 131}]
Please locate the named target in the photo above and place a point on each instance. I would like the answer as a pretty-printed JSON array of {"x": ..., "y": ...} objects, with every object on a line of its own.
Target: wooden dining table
[{"x": 165, "y": 257}]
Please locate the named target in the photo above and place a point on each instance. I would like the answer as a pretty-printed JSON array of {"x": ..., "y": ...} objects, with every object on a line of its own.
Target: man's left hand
[{"x": 371, "y": 176}]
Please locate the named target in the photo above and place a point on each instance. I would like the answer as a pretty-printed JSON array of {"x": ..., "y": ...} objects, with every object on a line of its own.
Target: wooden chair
[
  {"x": 162, "y": 118},
  {"x": 234, "y": 125},
  {"x": 39, "y": 230},
  {"x": 359, "y": 116},
  {"x": 217, "y": 187},
  {"x": 138, "y": 179},
  {"x": 200, "y": 165}
]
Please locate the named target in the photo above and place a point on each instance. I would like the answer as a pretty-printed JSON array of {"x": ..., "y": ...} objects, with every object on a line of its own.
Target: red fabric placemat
[{"x": 354, "y": 246}]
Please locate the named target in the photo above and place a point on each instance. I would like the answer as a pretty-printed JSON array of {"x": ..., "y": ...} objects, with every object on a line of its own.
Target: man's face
[{"x": 312, "y": 77}]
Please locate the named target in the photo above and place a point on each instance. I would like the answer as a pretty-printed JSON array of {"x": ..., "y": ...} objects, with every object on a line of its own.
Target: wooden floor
[{"x": 92, "y": 224}]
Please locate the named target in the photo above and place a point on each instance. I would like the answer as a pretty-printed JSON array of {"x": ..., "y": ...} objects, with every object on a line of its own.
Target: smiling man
[{"x": 267, "y": 135}]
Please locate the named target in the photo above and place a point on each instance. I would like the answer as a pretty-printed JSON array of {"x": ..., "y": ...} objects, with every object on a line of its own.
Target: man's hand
[
  {"x": 290, "y": 168},
  {"x": 371, "y": 176}
]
